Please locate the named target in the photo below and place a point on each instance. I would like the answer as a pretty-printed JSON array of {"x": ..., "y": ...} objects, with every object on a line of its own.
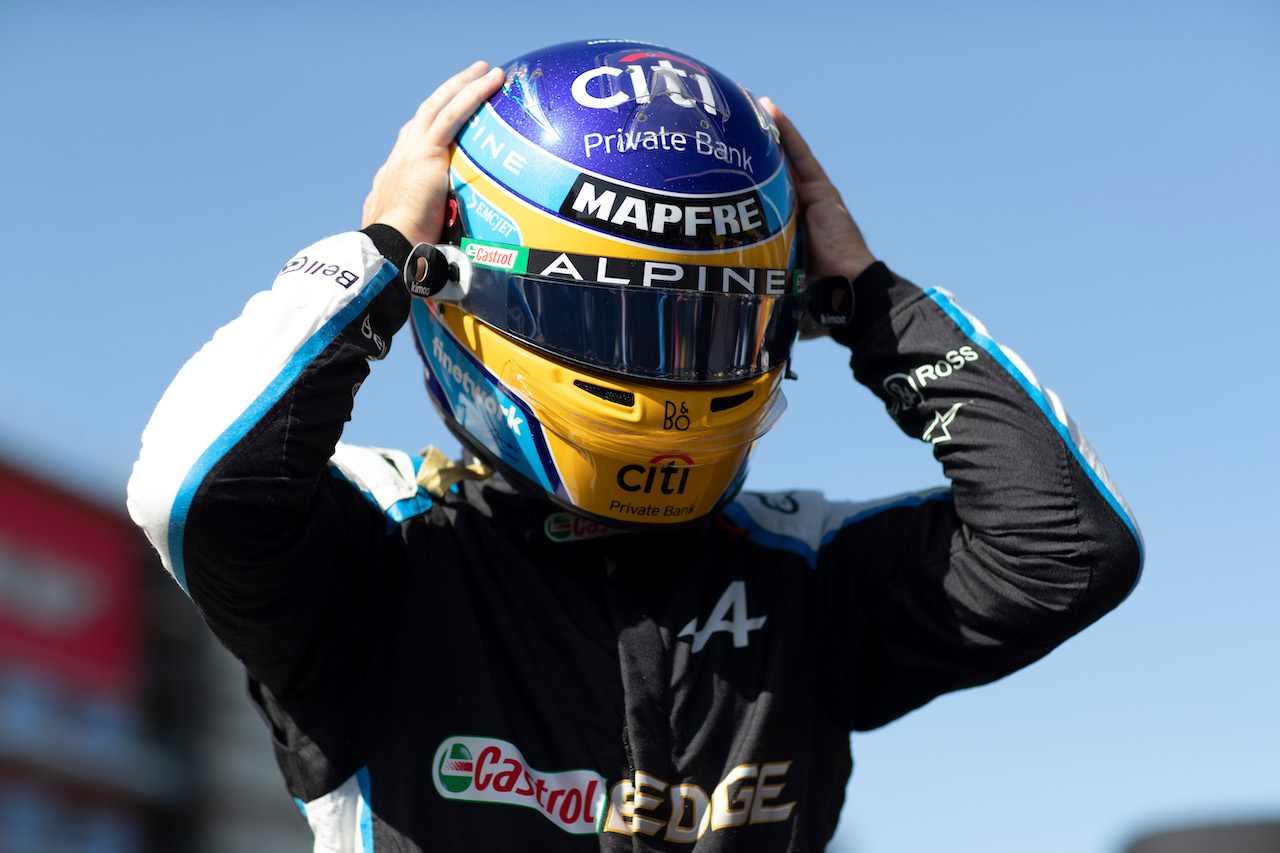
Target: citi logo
[
  {"x": 667, "y": 474},
  {"x": 641, "y": 77}
]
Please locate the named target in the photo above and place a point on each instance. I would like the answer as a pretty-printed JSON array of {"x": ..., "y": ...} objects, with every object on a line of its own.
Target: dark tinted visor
[{"x": 667, "y": 322}]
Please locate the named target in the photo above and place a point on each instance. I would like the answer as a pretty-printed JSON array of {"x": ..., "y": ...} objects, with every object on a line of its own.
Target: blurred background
[{"x": 1096, "y": 181}]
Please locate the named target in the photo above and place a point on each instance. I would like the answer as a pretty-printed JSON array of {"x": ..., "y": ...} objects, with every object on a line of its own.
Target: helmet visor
[{"x": 651, "y": 320}]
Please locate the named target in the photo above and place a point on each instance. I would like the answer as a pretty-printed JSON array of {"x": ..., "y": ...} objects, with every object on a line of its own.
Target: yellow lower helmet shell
[{"x": 625, "y": 453}]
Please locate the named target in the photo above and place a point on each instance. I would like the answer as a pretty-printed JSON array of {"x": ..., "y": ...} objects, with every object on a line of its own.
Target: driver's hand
[{"x": 410, "y": 191}]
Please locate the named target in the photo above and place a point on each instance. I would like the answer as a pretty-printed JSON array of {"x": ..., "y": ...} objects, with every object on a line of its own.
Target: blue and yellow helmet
[{"x": 625, "y": 221}]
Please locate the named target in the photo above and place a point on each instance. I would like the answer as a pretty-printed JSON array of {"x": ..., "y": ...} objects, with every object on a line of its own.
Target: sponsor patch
[
  {"x": 512, "y": 258},
  {"x": 905, "y": 391},
  {"x": 314, "y": 266},
  {"x": 685, "y": 221},
  {"x": 488, "y": 770},
  {"x": 567, "y": 527},
  {"x": 672, "y": 276},
  {"x": 484, "y": 219}
]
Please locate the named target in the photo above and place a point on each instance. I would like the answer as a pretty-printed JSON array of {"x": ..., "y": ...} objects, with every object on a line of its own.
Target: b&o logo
[{"x": 675, "y": 418}]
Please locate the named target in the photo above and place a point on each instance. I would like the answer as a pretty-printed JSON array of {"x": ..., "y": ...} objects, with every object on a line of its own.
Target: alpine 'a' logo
[
  {"x": 733, "y": 601},
  {"x": 488, "y": 770},
  {"x": 670, "y": 220}
]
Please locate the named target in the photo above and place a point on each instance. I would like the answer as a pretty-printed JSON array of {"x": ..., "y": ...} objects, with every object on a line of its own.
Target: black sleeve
[
  {"x": 288, "y": 563},
  {"x": 1032, "y": 544}
]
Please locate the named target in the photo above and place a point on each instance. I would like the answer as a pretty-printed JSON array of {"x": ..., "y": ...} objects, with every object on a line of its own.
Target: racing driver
[{"x": 584, "y": 634}]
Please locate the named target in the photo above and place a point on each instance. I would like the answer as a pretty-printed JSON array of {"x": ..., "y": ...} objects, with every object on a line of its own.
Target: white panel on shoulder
[
  {"x": 238, "y": 374},
  {"x": 387, "y": 476},
  {"x": 807, "y": 519}
]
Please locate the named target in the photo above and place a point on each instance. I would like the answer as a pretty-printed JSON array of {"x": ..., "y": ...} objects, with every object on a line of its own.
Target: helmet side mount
[{"x": 441, "y": 272}]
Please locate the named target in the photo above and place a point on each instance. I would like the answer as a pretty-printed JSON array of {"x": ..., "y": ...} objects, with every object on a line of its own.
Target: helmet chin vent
[
  {"x": 721, "y": 404},
  {"x": 613, "y": 395}
]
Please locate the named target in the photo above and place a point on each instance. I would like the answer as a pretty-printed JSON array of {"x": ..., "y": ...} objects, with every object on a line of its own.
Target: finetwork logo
[
  {"x": 488, "y": 770},
  {"x": 476, "y": 397}
]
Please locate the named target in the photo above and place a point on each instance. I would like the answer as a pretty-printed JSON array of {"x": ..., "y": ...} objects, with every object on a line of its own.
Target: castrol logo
[{"x": 493, "y": 256}]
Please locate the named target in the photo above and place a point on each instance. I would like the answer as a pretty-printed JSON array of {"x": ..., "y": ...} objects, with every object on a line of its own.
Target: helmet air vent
[
  {"x": 613, "y": 395},
  {"x": 721, "y": 404}
]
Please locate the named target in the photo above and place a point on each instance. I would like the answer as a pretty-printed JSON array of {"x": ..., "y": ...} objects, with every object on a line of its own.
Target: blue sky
[{"x": 1097, "y": 182}]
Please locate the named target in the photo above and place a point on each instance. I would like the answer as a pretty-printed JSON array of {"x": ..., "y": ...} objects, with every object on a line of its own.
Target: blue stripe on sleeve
[
  {"x": 314, "y": 345},
  {"x": 1038, "y": 397}
]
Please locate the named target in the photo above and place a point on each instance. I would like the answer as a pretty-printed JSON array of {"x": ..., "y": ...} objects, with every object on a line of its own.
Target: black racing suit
[{"x": 484, "y": 671}]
